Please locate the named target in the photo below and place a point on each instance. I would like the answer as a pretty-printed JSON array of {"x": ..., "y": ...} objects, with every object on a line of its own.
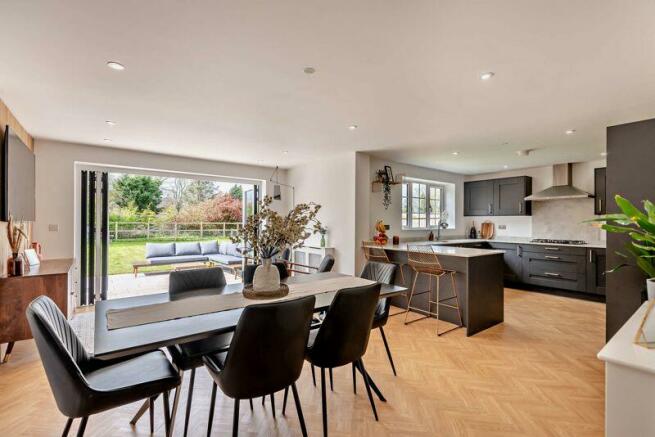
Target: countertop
[
  {"x": 445, "y": 250},
  {"x": 622, "y": 351},
  {"x": 512, "y": 240},
  {"x": 47, "y": 267}
]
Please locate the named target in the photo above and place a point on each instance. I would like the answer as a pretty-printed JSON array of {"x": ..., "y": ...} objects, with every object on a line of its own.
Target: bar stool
[
  {"x": 373, "y": 252},
  {"x": 423, "y": 260}
]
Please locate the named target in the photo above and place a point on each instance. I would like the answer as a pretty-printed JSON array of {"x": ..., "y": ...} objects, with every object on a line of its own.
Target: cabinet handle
[
  {"x": 518, "y": 251},
  {"x": 490, "y": 209},
  {"x": 600, "y": 205},
  {"x": 556, "y": 275},
  {"x": 551, "y": 257},
  {"x": 552, "y": 248},
  {"x": 590, "y": 257},
  {"x": 520, "y": 207}
]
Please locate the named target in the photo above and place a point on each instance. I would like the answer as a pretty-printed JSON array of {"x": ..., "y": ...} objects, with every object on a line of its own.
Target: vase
[
  {"x": 650, "y": 288},
  {"x": 267, "y": 277},
  {"x": 323, "y": 243}
]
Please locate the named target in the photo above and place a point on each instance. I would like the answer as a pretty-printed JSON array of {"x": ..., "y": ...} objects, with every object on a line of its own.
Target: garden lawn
[{"x": 123, "y": 253}]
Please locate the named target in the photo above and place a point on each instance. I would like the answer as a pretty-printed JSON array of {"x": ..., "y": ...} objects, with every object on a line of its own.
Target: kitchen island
[{"x": 479, "y": 282}]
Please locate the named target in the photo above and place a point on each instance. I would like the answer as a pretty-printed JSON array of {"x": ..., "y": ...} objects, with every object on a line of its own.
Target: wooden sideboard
[{"x": 51, "y": 278}]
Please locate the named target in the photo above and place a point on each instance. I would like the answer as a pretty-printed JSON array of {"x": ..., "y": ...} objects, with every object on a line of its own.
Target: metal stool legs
[{"x": 439, "y": 302}]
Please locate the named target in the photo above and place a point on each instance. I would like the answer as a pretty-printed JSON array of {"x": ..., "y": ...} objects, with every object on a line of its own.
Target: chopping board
[{"x": 487, "y": 230}]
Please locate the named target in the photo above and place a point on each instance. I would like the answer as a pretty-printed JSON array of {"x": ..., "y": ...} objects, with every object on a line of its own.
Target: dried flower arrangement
[
  {"x": 267, "y": 233},
  {"x": 15, "y": 234}
]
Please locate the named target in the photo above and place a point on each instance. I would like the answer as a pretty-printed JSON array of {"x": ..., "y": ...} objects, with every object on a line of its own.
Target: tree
[
  {"x": 223, "y": 208},
  {"x": 176, "y": 193},
  {"x": 141, "y": 192},
  {"x": 236, "y": 192},
  {"x": 199, "y": 191}
]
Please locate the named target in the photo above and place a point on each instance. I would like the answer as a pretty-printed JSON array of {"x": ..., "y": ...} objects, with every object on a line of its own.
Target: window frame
[{"x": 406, "y": 202}]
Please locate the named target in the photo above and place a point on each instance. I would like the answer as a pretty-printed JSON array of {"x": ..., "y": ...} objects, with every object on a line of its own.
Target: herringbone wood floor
[{"x": 535, "y": 375}]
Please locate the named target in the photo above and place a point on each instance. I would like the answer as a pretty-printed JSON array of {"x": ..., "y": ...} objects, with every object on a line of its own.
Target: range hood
[{"x": 562, "y": 186}]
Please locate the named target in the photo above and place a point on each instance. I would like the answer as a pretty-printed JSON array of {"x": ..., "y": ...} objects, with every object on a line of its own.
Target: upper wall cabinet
[
  {"x": 499, "y": 197},
  {"x": 600, "y": 204}
]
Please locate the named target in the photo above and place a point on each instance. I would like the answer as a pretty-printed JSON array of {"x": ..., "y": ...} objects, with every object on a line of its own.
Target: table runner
[{"x": 195, "y": 306}]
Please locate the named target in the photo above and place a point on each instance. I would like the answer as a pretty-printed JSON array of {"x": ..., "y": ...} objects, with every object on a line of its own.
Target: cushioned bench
[{"x": 163, "y": 254}]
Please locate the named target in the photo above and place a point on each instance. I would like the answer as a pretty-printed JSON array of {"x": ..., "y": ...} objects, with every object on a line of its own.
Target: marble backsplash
[{"x": 563, "y": 219}]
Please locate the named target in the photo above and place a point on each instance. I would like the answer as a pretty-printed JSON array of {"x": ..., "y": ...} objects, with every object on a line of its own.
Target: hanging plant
[{"x": 385, "y": 178}]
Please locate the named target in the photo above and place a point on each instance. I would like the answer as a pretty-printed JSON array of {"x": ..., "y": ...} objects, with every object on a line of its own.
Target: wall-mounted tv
[{"x": 17, "y": 196}]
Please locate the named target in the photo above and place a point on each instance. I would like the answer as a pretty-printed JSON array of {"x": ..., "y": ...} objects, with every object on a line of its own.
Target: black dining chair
[
  {"x": 188, "y": 356},
  {"x": 83, "y": 385},
  {"x": 326, "y": 264},
  {"x": 343, "y": 337},
  {"x": 266, "y": 354},
  {"x": 383, "y": 273}
]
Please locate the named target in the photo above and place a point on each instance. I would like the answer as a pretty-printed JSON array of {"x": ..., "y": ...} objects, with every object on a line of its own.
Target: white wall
[
  {"x": 56, "y": 176},
  {"x": 391, "y": 216},
  {"x": 551, "y": 219},
  {"x": 331, "y": 182}
]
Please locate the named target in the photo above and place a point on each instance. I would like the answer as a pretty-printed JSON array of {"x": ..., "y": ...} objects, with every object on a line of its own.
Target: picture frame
[
  {"x": 389, "y": 174},
  {"x": 31, "y": 258}
]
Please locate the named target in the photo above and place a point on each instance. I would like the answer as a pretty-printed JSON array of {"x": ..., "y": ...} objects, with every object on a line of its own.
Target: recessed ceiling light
[
  {"x": 487, "y": 75},
  {"x": 309, "y": 70},
  {"x": 115, "y": 65},
  {"x": 455, "y": 153},
  {"x": 603, "y": 153},
  {"x": 107, "y": 140},
  {"x": 353, "y": 127},
  {"x": 505, "y": 166},
  {"x": 111, "y": 123},
  {"x": 286, "y": 152},
  {"x": 570, "y": 132}
]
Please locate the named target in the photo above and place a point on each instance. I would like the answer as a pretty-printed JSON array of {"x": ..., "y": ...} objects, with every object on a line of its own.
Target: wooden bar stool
[
  {"x": 423, "y": 260},
  {"x": 373, "y": 252}
]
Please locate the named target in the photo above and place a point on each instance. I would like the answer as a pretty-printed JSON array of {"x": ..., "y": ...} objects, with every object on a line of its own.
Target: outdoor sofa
[{"x": 226, "y": 255}]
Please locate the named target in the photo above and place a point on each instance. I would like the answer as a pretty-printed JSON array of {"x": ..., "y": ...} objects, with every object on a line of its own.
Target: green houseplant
[{"x": 640, "y": 227}]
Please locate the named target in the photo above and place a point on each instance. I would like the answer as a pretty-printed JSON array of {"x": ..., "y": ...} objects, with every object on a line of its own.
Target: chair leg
[
  {"x": 273, "y": 404},
  {"x": 144, "y": 407},
  {"x": 211, "y": 410},
  {"x": 411, "y": 295},
  {"x": 324, "y": 403},
  {"x": 354, "y": 379},
  {"x": 235, "y": 422},
  {"x": 152, "y": 415},
  {"x": 251, "y": 408},
  {"x": 67, "y": 428},
  {"x": 176, "y": 403},
  {"x": 386, "y": 346},
  {"x": 371, "y": 382},
  {"x": 331, "y": 380},
  {"x": 82, "y": 428},
  {"x": 313, "y": 375},
  {"x": 368, "y": 389},
  {"x": 167, "y": 414},
  {"x": 192, "y": 380},
  {"x": 284, "y": 401},
  {"x": 10, "y": 347},
  {"x": 296, "y": 399}
]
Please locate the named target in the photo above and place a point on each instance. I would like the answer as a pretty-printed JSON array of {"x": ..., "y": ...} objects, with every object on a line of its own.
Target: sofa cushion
[
  {"x": 232, "y": 250},
  {"x": 187, "y": 248},
  {"x": 224, "y": 259},
  {"x": 222, "y": 248},
  {"x": 155, "y": 250},
  {"x": 177, "y": 259},
  {"x": 209, "y": 247}
]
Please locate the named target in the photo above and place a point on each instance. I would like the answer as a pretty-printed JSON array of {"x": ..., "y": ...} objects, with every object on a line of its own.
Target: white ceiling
[{"x": 224, "y": 79}]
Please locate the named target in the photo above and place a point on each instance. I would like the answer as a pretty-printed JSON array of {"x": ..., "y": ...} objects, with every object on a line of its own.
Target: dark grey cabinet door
[
  {"x": 509, "y": 194},
  {"x": 513, "y": 264},
  {"x": 596, "y": 267},
  {"x": 478, "y": 198},
  {"x": 600, "y": 191}
]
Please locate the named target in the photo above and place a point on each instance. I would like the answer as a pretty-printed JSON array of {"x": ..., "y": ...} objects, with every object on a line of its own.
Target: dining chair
[
  {"x": 188, "y": 356},
  {"x": 326, "y": 264},
  {"x": 343, "y": 337},
  {"x": 266, "y": 355},
  {"x": 83, "y": 385},
  {"x": 375, "y": 252}
]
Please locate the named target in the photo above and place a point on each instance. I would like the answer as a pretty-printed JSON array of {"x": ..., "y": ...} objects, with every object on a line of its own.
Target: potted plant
[
  {"x": 640, "y": 227},
  {"x": 266, "y": 233}
]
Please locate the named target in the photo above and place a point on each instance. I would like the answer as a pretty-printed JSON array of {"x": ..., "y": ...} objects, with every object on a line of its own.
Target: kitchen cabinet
[
  {"x": 596, "y": 267},
  {"x": 478, "y": 198},
  {"x": 555, "y": 266},
  {"x": 498, "y": 197},
  {"x": 512, "y": 259},
  {"x": 509, "y": 194},
  {"x": 600, "y": 191}
]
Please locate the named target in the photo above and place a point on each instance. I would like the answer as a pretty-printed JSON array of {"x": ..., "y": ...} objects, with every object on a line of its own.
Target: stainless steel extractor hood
[{"x": 562, "y": 186}]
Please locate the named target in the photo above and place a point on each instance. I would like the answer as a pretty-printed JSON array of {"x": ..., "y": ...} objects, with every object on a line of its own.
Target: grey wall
[{"x": 631, "y": 154}]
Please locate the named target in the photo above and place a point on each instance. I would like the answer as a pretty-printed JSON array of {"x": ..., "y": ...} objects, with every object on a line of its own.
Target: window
[{"x": 422, "y": 205}]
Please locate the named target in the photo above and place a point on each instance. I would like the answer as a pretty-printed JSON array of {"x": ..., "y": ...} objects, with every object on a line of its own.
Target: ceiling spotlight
[
  {"x": 115, "y": 65},
  {"x": 603, "y": 153},
  {"x": 309, "y": 70},
  {"x": 285, "y": 152},
  {"x": 505, "y": 166},
  {"x": 107, "y": 140},
  {"x": 111, "y": 123},
  {"x": 455, "y": 153},
  {"x": 486, "y": 76},
  {"x": 570, "y": 132},
  {"x": 353, "y": 127},
  {"x": 525, "y": 152}
]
